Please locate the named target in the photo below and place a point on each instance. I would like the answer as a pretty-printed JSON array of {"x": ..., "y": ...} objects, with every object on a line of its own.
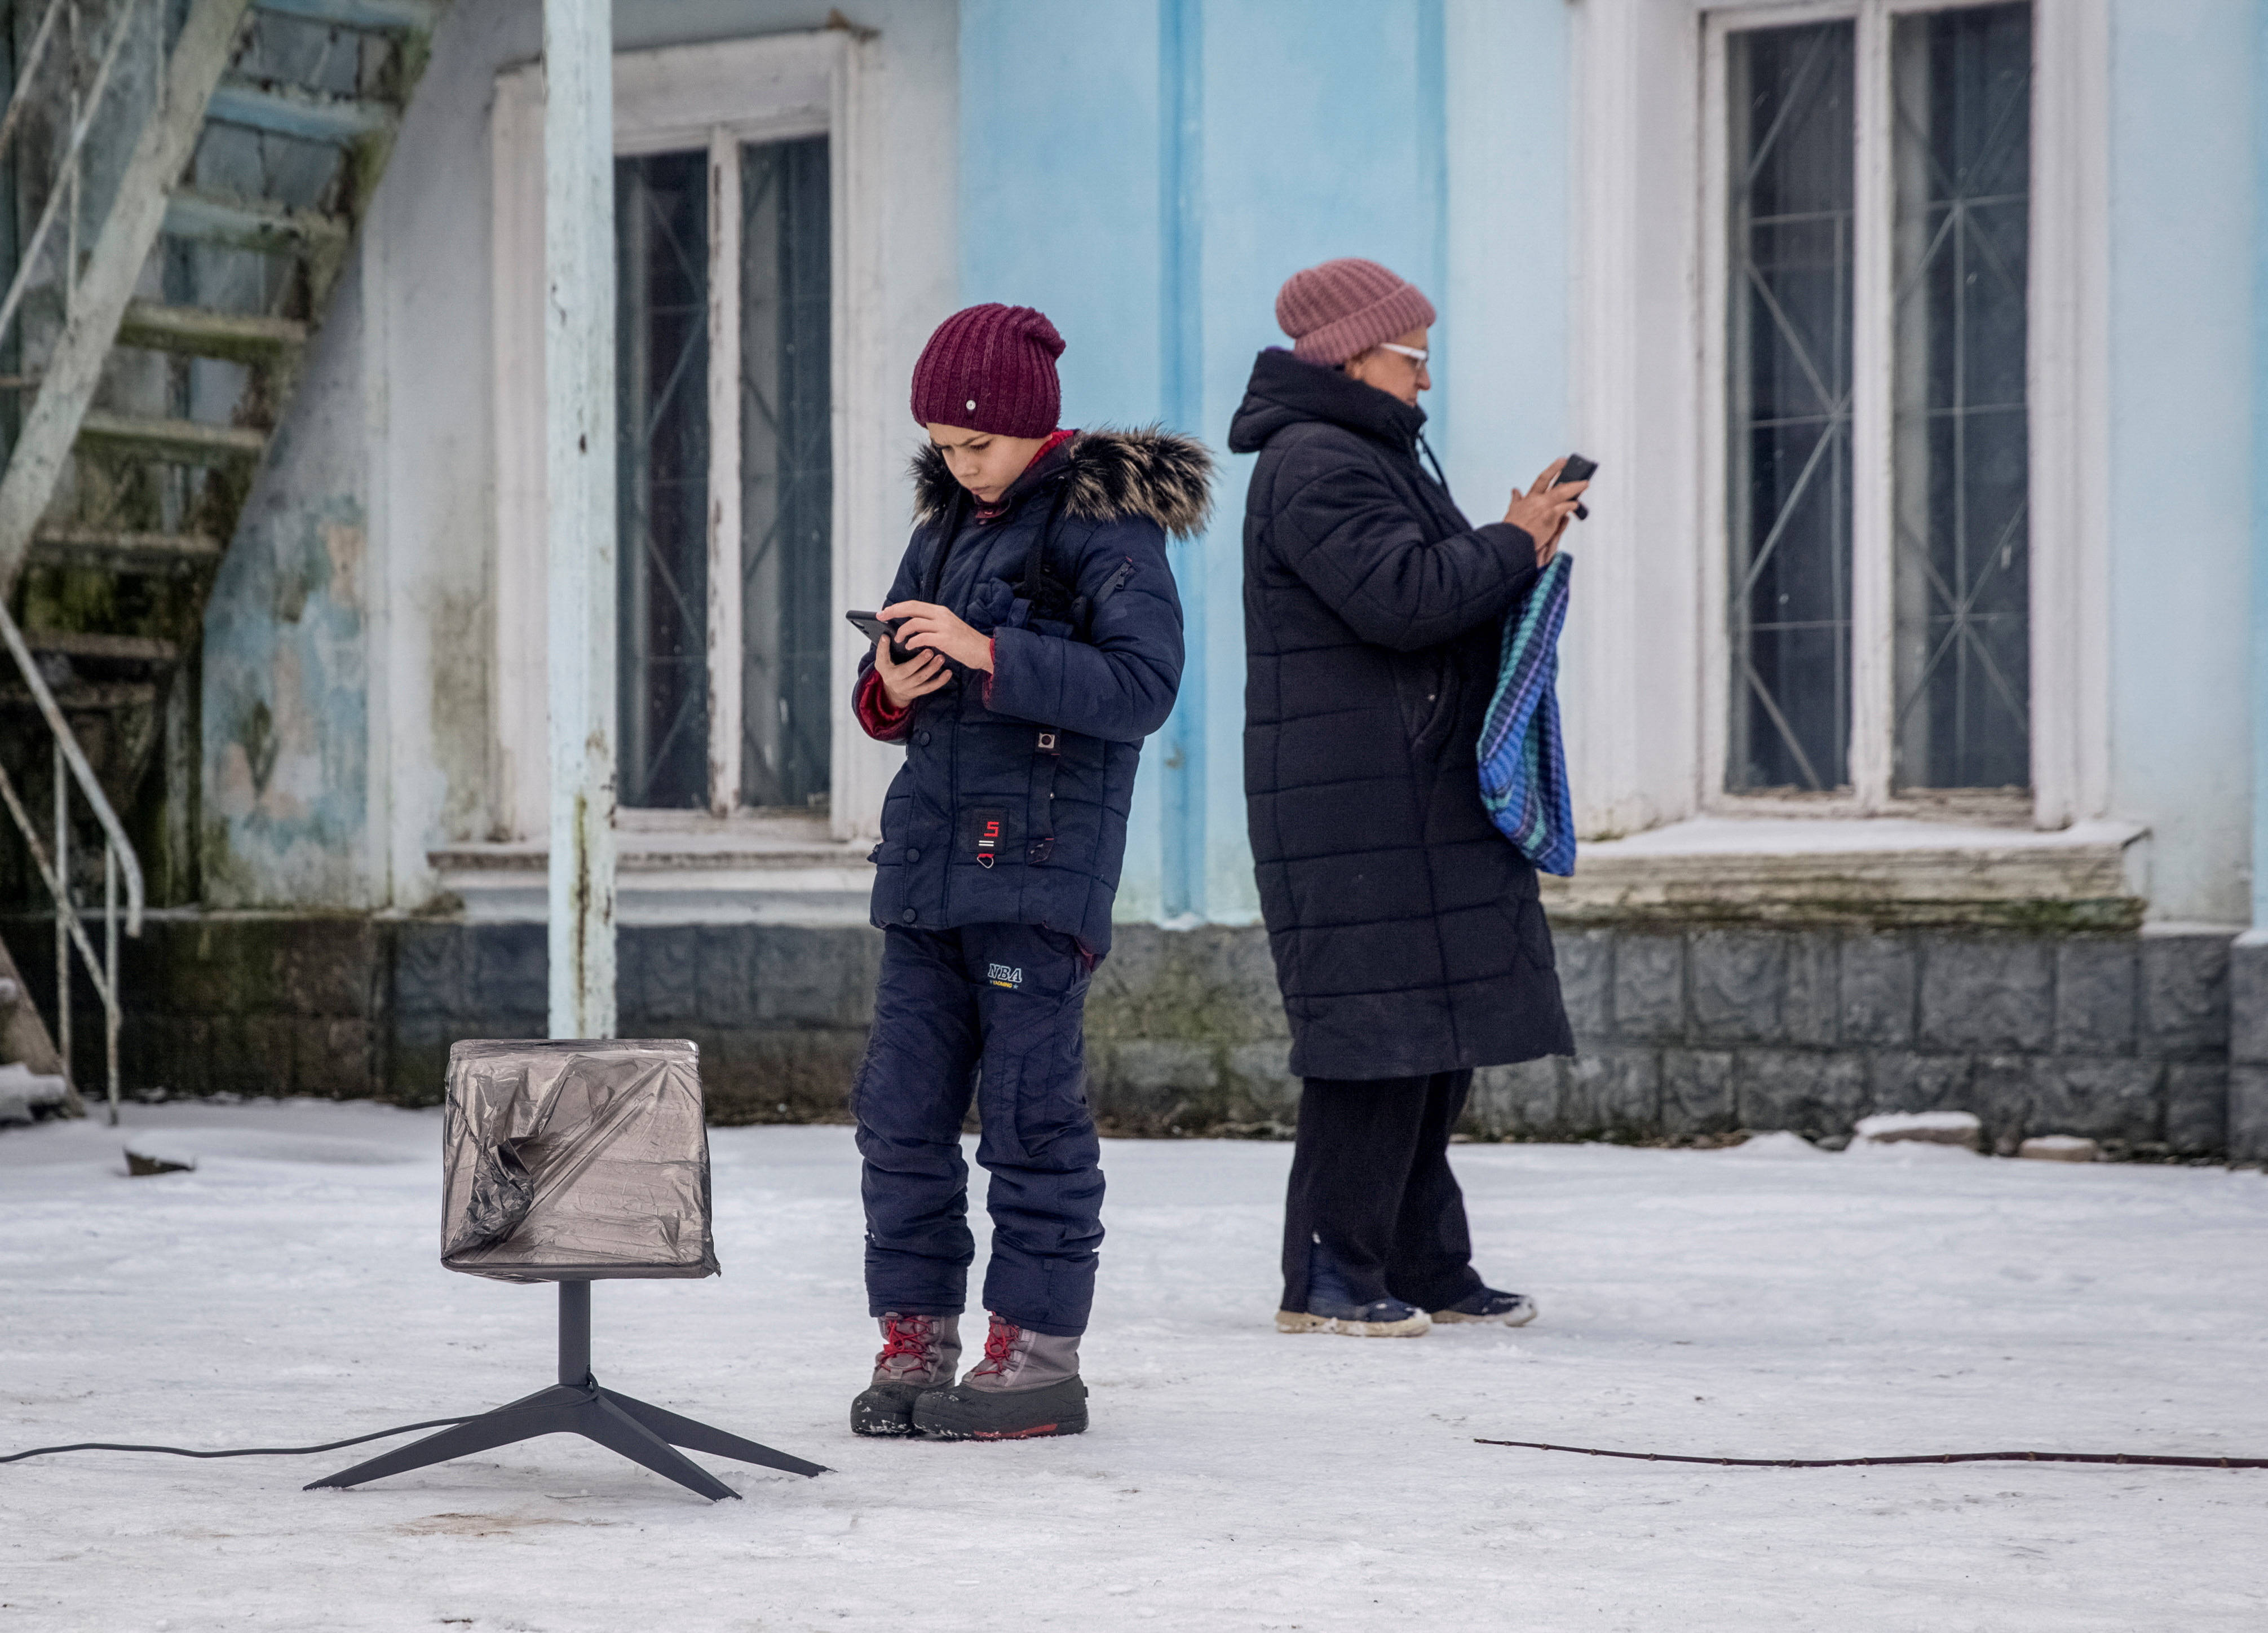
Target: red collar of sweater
[{"x": 1056, "y": 440}]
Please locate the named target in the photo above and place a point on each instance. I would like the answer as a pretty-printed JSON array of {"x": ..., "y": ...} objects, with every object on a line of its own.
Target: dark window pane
[
  {"x": 1789, "y": 406},
  {"x": 661, "y": 229},
  {"x": 1961, "y": 148},
  {"x": 787, "y": 474}
]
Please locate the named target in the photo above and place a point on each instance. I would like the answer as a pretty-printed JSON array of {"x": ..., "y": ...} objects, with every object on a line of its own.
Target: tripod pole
[
  {"x": 575, "y": 1334},
  {"x": 576, "y": 1404}
]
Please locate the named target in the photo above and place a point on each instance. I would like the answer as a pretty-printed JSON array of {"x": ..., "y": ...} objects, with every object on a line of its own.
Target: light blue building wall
[
  {"x": 2259, "y": 488},
  {"x": 1149, "y": 173},
  {"x": 2185, "y": 374}
]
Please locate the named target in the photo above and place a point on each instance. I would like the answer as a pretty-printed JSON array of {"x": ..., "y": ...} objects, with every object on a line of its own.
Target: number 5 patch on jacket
[{"x": 985, "y": 833}]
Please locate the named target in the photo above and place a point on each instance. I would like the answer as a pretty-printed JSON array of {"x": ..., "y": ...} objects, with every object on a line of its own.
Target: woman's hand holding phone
[{"x": 1542, "y": 513}]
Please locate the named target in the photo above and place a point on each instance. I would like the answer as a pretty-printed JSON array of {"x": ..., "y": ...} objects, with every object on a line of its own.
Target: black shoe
[
  {"x": 918, "y": 1353},
  {"x": 1027, "y": 1387},
  {"x": 1386, "y": 1318},
  {"x": 1489, "y": 1304},
  {"x": 886, "y": 1409},
  {"x": 962, "y": 1413},
  {"x": 1332, "y": 1306}
]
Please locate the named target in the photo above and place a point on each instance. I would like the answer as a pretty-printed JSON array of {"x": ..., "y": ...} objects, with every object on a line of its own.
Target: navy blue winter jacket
[{"x": 1012, "y": 806}]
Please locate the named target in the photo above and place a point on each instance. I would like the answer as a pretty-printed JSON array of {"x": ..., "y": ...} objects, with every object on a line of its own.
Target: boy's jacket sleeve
[{"x": 1120, "y": 683}]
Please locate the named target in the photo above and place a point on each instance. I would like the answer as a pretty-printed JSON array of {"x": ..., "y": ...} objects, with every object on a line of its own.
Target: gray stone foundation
[
  {"x": 2248, "y": 1049},
  {"x": 2122, "y": 1038},
  {"x": 1684, "y": 1034}
]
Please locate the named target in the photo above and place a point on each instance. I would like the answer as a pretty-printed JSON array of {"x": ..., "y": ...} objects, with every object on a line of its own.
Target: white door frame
[
  {"x": 713, "y": 97},
  {"x": 1648, "y": 653}
]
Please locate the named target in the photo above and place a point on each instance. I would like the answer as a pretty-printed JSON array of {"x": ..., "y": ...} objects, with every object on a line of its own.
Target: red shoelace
[
  {"x": 999, "y": 1345},
  {"x": 908, "y": 1336}
]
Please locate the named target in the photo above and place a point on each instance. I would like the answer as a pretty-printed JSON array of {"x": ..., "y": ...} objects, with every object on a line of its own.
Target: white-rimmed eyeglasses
[{"x": 1414, "y": 354}]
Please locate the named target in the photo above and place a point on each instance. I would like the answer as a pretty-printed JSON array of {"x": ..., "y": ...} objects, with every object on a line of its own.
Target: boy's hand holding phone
[
  {"x": 901, "y": 683},
  {"x": 923, "y": 625},
  {"x": 912, "y": 640}
]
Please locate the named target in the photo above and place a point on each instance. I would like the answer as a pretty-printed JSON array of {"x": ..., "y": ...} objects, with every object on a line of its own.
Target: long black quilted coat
[{"x": 1406, "y": 930}]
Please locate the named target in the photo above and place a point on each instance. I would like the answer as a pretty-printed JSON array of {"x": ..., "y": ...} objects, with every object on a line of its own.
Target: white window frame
[
  {"x": 714, "y": 96},
  {"x": 1649, "y": 299}
]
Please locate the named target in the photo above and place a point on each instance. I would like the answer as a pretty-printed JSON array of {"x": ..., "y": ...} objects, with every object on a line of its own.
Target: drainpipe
[
  {"x": 2248, "y": 972},
  {"x": 579, "y": 363},
  {"x": 1183, "y": 899}
]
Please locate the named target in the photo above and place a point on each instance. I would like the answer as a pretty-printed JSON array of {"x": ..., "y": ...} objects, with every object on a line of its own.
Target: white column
[
  {"x": 579, "y": 361},
  {"x": 724, "y": 586}
]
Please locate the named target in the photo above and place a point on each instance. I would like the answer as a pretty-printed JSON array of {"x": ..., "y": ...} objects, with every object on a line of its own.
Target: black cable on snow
[
  {"x": 2142, "y": 1460},
  {"x": 330, "y": 1446}
]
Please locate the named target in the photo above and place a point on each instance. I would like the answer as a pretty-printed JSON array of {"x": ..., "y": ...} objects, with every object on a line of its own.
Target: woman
[
  {"x": 1408, "y": 938},
  {"x": 1042, "y": 636}
]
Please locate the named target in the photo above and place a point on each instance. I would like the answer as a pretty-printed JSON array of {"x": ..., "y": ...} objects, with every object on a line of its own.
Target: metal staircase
[{"x": 179, "y": 180}]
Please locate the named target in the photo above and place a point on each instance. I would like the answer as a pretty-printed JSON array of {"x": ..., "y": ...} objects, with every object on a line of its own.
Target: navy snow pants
[{"x": 1005, "y": 1003}]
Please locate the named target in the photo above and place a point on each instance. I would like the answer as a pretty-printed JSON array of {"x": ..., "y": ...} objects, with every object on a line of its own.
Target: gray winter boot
[
  {"x": 1027, "y": 1387},
  {"x": 918, "y": 1353}
]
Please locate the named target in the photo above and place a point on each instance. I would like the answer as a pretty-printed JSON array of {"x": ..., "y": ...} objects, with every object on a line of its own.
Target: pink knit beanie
[
  {"x": 990, "y": 368},
  {"x": 1343, "y": 308}
]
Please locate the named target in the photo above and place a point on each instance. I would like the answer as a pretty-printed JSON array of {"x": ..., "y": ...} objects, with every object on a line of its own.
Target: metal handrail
[
  {"x": 66, "y": 182},
  {"x": 18, "y": 93},
  {"x": 70, "y": 762},
  {"x": 117, "y": 857},
  {"x": 82, "y": 773}
]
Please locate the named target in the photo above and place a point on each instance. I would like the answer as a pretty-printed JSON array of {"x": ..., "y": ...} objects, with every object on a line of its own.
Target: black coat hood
[{"x": 1284, "y": 391}]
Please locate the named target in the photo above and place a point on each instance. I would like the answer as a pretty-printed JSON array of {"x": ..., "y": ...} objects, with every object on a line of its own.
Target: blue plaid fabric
[{"x": 1523, "y": 761}]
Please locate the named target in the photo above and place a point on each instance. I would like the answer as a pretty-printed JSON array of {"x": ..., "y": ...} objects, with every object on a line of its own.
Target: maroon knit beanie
[
  {"x": 990, "y": 368},
  {"x": 1343, "y": 308}
]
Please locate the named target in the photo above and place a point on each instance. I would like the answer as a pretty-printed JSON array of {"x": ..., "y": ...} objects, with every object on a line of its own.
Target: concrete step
[
  {"x": 102, "y": 648},
  {"x": 256, "y": 224},
  {"x": 176, "y": 441},
  {"x": 381, "y": 17},
  {"x": 124, "y": 552},
  {"x": 289, "y": 110},
  {"x": 199, "y": 331},
  {"x": 86, "y": 696},
  {"x": 760, "y": 870}
]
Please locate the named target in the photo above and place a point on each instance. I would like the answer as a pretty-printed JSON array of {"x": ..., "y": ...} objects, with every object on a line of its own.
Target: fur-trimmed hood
[{"x": 1112, "y": 475}]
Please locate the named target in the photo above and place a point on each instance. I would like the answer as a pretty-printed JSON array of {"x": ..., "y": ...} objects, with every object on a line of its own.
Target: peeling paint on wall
[{"x": 286, "y": 707}]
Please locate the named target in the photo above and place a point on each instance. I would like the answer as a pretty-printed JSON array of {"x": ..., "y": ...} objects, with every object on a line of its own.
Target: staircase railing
[
  {"x": 62, "y": 204},
  {"x": 118, "y": 859},
  {"x": 55, "y": 241}
]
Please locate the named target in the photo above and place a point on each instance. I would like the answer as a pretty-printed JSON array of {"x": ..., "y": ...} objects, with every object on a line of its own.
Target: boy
[{"x": 1043, "y": 637}]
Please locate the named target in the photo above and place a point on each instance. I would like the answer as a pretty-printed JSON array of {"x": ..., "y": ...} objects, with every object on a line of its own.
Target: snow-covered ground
[{"x": 1766, "y": 1300}]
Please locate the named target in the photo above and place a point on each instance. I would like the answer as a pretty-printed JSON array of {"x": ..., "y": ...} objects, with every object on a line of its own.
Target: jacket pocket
[
  {"x": 1424, "y": 682},
  {"x": 1039, "y": 803},
  {"x": 988, "y": 834}
]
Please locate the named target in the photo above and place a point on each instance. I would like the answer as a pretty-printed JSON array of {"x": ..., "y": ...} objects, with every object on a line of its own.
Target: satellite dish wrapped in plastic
[
  {"x": 575, "y": 1162},
  {"x": 586, "y": 1159}
]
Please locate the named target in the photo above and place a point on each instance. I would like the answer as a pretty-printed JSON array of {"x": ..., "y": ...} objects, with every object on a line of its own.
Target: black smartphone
[
  {"x": 1575, "y": 467},
  {"x": 874, "y": 629}
]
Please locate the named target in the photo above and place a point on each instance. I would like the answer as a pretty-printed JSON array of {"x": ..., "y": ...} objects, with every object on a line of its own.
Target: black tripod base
[{"x": 643, "y": 1434}]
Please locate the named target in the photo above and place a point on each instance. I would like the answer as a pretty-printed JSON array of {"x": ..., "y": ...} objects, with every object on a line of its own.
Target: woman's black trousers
[{"x": 1371, "y": 1184}]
